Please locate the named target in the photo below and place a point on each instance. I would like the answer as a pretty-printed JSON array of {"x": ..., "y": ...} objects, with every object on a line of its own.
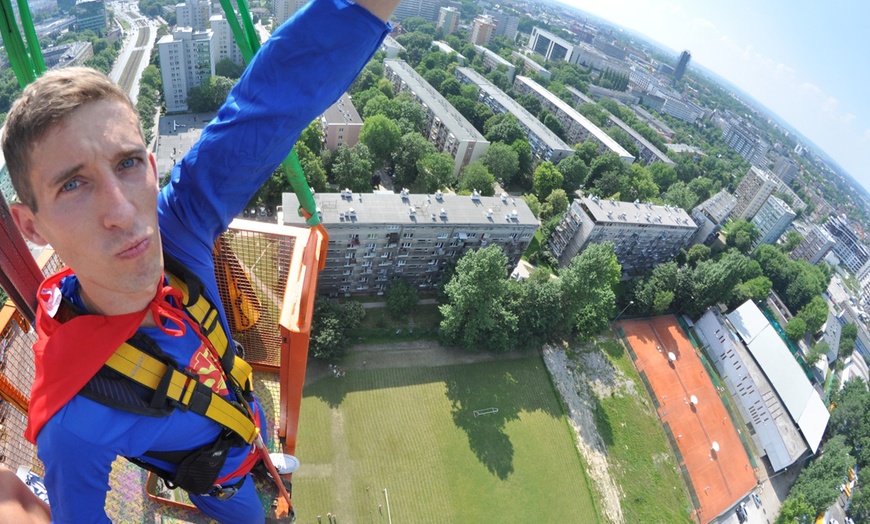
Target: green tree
[
  {"x": 574, "y": 172},
  {"x": 332, "y": 324},
  {"x": 502, "y": 161},
  {"x": 412, "y": 148},
  {"x": 697, "y": 253},
  {"x": 533, "y": 203},
  {"x": 229, "y": 69},
  {"x": 401, "y": 298},
  {"x": 381, "y": 135},
  {"x": 312, "y": 137},
  {"x": 353, "y": 168},
  {"x": 847, "y": 340},
  {"x": 820, "y": 482},
  {"x": 740, "y": 234},
  {"x": 555, "y": 204},
  {"x": 524, "y": 156},
  {"x": 476, "y": 177},
  {"x": 796, "y": 329},
  {"x": 552, "y": 123},
  {"x": 506, "y": 129},
  {"x": 792, "y": 239},
  {"x": 663, "y": 175},
  {"x": 588, "y": 283},
  {"x": 434, "y": 171},
  {"x": 547, "y": 178},
  {"x": 815, "y": 314},
  {"x": 537, "y": 305},
  {"x": 476, "y": 315},
  {"x": 796, "y": 510},
  {"x": 679, "y": 194},
  {"x": 816, "y": 352}
]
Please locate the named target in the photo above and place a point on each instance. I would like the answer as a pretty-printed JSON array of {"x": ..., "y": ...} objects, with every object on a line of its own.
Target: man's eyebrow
[{"x": 64, "y": 175}]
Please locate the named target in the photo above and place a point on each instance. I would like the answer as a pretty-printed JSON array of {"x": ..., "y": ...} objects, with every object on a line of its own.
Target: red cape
[{"x": 69, "y": 352}]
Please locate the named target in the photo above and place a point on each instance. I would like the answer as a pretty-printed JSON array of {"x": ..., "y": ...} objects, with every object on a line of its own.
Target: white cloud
[{"x": 848, "y": 118}]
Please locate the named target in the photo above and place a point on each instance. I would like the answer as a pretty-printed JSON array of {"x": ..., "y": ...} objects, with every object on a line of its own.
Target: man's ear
[
  {"x": 26, "y": 221},
  {"x": 153, "y": 160}
]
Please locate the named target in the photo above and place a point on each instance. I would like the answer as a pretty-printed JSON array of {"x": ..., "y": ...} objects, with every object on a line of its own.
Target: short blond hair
[{"x": 44, "y": 105}]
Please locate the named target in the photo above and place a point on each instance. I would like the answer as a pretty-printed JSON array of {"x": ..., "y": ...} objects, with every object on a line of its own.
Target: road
[{"x": 139, "y": 40}]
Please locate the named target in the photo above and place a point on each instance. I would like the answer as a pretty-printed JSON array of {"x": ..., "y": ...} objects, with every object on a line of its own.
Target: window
[
  {"x": 372, "y": 236},
  {"x": 406, "y": 245},
  {"x": 443, "y": 235},
  {"x": 439, "y": 245},
  {"x": 408, "y": 235}
]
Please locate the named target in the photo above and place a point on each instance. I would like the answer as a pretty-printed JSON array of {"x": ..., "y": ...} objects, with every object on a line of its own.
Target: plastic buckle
[{"x": 223, "y": 493}]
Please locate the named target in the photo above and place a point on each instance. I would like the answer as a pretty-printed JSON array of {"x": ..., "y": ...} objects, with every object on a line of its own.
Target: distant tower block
[{"x": 685, "y": 56}]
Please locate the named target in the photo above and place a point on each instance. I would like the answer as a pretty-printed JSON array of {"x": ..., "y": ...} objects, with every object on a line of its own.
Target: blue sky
[{"x": 806, "y": 60}]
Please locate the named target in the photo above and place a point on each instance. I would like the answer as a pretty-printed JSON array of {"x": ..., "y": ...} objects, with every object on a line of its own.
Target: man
[{"x": 88, "y": 187}]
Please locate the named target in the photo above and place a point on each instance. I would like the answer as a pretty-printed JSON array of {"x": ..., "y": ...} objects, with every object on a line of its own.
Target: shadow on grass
[
  {"x": 511, "y": 386},
  {"x": 602, "y": 421},
  {"x": 612, "y": 348}
]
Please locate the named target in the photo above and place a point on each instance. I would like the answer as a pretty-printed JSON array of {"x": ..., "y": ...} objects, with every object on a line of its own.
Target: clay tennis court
[{"x": 674, "y": 374}]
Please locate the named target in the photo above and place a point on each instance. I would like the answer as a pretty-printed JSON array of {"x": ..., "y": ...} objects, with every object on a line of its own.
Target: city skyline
[{"x": 802, "y": 60}]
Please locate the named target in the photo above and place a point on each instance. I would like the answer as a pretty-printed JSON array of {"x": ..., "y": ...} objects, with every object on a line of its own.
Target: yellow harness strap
[{"x": 182, "y": 390}]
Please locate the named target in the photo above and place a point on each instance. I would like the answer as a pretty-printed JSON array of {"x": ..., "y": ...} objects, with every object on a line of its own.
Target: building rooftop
[
  {"x": 342, "y": 111},
  {"x": 386, "y": 208},
  {"x": 637, "y": 213},
  {"x": 582, "y": 96},
  {"x": 646, "y": 143},
  {"x": 593, "y": 130},
  {"x": 452, "y": 119},
  {"x": 782, "y": 370},
  {"x": 719, "y": 206},
  {"x": 513, "y": 107}
]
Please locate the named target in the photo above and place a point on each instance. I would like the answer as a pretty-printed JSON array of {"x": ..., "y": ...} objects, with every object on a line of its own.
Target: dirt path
[{"x": 575, "y": 388}]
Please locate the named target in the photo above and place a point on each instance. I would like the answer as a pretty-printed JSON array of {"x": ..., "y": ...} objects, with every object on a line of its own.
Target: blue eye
[
  {"x": 130, "y": 162},
  {"x": 70, "y": 185}
]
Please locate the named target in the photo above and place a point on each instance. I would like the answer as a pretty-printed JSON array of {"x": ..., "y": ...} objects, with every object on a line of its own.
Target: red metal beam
[{"x": 19, "y": 275}]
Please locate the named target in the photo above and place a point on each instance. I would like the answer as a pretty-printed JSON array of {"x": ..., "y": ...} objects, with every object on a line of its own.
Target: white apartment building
[
  {"x": 507, "y": 25},
  {"x": 546, "y": 146},
  {"x": 427, "y": 9},
  {"x": 647, "y": 152},
  {"x": 863, "y": 277},
  {"x": 531, "y": 65},
  {"x": 644, "y": 234},
  {"x": 577, "y": 127},
  {"x": 448, "y": 19},
  {"x": 187, "y": 58},
  {"x": 225, "y": 44},
  {"x": 377, "y": 238},
  {"x": 492, "y": 60},
  {"x": 194, "y": 14},
  {"x": 847, "y": 244},
  {"x": 549, "y": 45},
  {"x": 752, "y": 192},
  {"x": 445, "y": 48},
  {"x": 772, "y": 219},
  {"x": 445, "y": 126}
]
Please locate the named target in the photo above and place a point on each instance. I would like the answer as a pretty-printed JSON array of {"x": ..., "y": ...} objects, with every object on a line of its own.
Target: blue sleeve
[
  {"x": 302, "y": 69},
  {"x": 78, "y": 479}
]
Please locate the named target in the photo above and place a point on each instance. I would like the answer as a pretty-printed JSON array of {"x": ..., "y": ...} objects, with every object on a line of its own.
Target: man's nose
[{"x": 116, "y": 203}]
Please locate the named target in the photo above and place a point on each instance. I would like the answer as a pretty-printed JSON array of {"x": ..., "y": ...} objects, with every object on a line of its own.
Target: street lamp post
[{"x": 630, "y": 302}]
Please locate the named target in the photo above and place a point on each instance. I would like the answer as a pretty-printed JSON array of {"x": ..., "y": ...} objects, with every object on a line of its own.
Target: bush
[{"x": 401, "y": 298}]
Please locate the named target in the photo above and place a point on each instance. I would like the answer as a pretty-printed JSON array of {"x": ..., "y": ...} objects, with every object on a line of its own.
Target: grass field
[
  {"x": 643, "y": 462},
  {"x": 413, "y": 432},
  {"x": 379, "y": 326}
]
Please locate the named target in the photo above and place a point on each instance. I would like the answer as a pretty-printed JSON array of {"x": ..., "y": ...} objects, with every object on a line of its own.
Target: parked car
[{"x": 756, "y": 499}]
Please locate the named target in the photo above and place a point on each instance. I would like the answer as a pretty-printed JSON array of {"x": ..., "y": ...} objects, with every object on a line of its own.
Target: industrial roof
[{"x": 784, "y": 373}]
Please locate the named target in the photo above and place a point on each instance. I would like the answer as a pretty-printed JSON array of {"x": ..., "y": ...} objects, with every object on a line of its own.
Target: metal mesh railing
[{"x": 252, "y": 264}]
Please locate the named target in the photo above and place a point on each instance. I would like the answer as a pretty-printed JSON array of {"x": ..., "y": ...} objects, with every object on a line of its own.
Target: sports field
[
  {"x": 413, "y": 433},
  {"x": 676, "y": 378}
]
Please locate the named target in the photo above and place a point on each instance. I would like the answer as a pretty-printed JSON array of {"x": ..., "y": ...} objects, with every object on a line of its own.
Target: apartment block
[
  {"x": 341, "y": 124},
  {"x": 445, "y": 48},
  {"x": 746, "y": 143},
  {"x": 785, "y": 169},
  {"x": 646, "y": 150},
  {"x": 391, "y": 47},
  {"x": 671, "y": 105},
  {"x": 507, "y": 25},
  {"x": 772, "y": 219},
  {"x": 225, "y": 44},
  {"x": 375, "y": 239},
  {"x": 752, "y": 192},
  {"x": 91, "y": 14},
  {"x": 817, "y": 243},
  {"x": 194, "y": 14},
  {"x": 482, "y": 30},
  {"x": 847, "y": 244},
  {"x": 577, "y": 127},
  {"x": 187, "y": 58},
  {"x": 445, "y": 126},
  {"x": 863, "y": 277},
  {"x": 448, "y": 19},
  {"x": 546, "y": 146},
  {"x": 427, "y": 9},
  {"x": 711, "y": 215},
  {"x": 549, "y": 45},
  {"x": 493, "y": 61},
  {"x": 644, "y": 234},
  {"x": 578, "y": 97},
  {"x": 531, "y": 65}
]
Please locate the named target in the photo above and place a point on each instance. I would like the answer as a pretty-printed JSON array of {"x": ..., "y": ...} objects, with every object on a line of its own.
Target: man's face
[{"x": 95, "y": 186}]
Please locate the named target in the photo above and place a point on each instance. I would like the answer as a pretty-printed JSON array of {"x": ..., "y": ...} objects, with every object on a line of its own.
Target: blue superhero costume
[{"x": 305, "y": 66}]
